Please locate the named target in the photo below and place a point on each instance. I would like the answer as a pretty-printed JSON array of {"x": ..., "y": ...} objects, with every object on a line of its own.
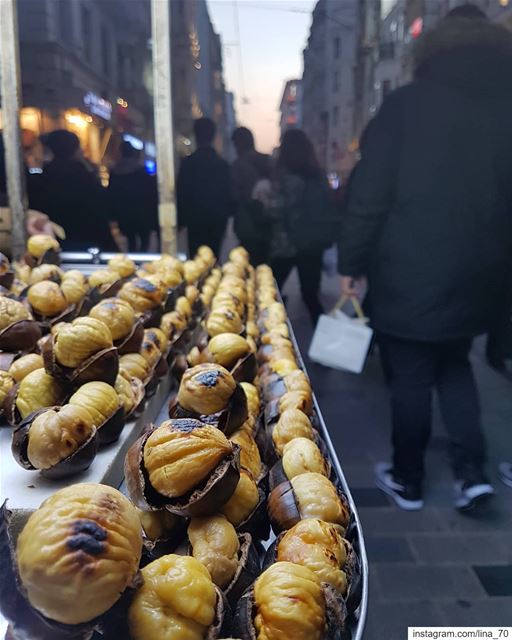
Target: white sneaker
[{"x": 469, "y": 495}]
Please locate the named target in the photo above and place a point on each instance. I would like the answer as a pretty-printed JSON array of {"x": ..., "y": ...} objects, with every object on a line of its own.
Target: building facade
[
  {"x": 290, "y": 107},
  {"x": 85, "y": 67}
]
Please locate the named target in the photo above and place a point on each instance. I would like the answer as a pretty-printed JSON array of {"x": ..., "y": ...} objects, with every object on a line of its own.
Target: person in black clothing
[
  {"x": 203, "y": 191},
  {"x": 429, "y": 223},
  {"x": 133, "y": 199},
  {"x": 304, "y": 219},
  {"x": 73, "y": 197},
  {"x": 250, "y": 170}
]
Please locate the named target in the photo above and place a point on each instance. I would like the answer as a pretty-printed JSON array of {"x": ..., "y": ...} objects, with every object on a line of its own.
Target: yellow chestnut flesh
[
  {"x": 39, "y": 244},
  {"x": 158, "y": 337},
  {"x": 37, "y": 390},
  {"x": 318, "y": 546},
  {"x": 126, "y": 393},
  {"x": 300, "y": 399},
  {"x": 253, "y": 398},
  {"x": 227, "y": 348},
  {"x": 176, "y": 601},
  {"x": 103, "y": 276},
  {"x": 45, "y": 272},
  {"x": 206, "y": 389},
  {"x": 215, "y": 543},
  {"x": 142, "y": 293},
  {"x": 249, "y": 453},
  {"x": 74, "y": 290},
  {"x": 317, "y": 498},
  {"x": 222, "y": 321},
  {"x": 157, "y": 524},
  {"x": 117, "y": 314},
  {"x": 55, "y": 435},
  {"x": 243, "y": 502},
  {"x": 21, "y": 367},
  {"x": 7, "y": 382},
  {"x": 79, "y": 340},
  {"x": 301, "y": 455},
  {"x": 150, "y": 352},
  {"x": 12, "y": 311},
  {"x": 172, "y": 322},
  {"x": 290, "y": 603},
  {"x": 291, "y": 424},
  {"x": 47, "y": 298},
  {"x": 178, "y": 460},
  {"x": 79, "y": 551},
  {"x": 122, "y": 265},
  {"x": 99, "y": 399},
  {"x": 133, "y": 365}
]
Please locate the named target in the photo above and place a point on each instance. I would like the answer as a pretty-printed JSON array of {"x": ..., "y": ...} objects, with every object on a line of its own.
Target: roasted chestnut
[
  {"x": 292, "y": 424},
  {"x": 158, "y": 525},
  {"x": 150, "y": 351},
  {"x": 122, "y": 265},
  {"x": 47, "y": 298},
  {"x": 45, "y": 272},
  {"x": 142, "y": 294},
  {"x": 300, "y": 455},
  {"x": 253, "y": 398},
  {"x": 308, "y": 495},
  {"x": 192, "y": 293},
  {"x": 230, "y": 558},
  {"x": 176, "y": 600},
  {"x": 12, "y": 311},
  {"x": 191, "y": 271},
  {"x": 36, "y": 391},
  {"x": 188, "y": 467},
  {"x": 78, "y": 552},
  {"x": 21, "y": 367},
  {"x": 102, "y": 277},
  {"x": 130, "y": 391},
  {"x": 7, "y": 382},
  {"x": 105, "y": 408},
  {"x": 223, "y": 320},
  {"x": 183, "y": 307},
  {"x": 289, "y": 601},
  {"x": 74, "y": 286},
  {"x": 227, "y": 349},
  {"x": 59, "y": 441},
  {"x": 77, "y": 341},
  {"x": 173, "y": 323},
  {"x": 246, "y": 509},
  {"x": 133, "y": 365},
  {"x": 39, "y": 244},
  {"x": 240, "y": 255},
  {"x": 117, "y": 314},
  {"x": 210, "y": 390},
  {"x": 249, "y": 453},
  {"x": 300, "y": 399}
]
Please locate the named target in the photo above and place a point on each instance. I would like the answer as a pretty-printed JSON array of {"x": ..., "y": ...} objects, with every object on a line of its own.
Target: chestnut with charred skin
[
  {"x": 133, "y": 365},
  {"x": 122, "y": 265},
  {"x": 292, "y": 424},
  {"x": 223, "y": 320},
  {"x": 7, "y": 382},
  {"x": 21, "y": 367},
  {"x": 243, "y": 501},
  {"x": 39, "y": 244},
  {"x": 78, "y": 552},
  {"x": 186, "y": 466},
  {"x": 249, "y": 453},
  {"x": 130, "y": 391},
  {"x": 12, "y": 311},
  {"x": 46, "y": 272},
  {"x": 177, "y": 600},
  {"x": 227, "y": 349},
  {"x": 206, "y": 389},
  {"x": 102, "y": 277},
  {"x": 117, "y": 314},
  {"x": 142, "y": 294},
  {"x": 104, "y": 406},
  {"x": 300, "y": 455}
]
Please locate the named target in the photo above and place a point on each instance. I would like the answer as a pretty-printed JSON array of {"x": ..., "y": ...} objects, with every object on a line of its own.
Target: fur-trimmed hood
[{"x": 472, "y": 54}]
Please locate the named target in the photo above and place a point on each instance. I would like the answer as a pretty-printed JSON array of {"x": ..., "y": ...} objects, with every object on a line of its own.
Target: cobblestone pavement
[{"x": 433, "y": 567}]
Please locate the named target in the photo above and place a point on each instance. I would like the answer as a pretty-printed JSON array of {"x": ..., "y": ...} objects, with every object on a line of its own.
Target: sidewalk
[{"x": 433, "y": 567}]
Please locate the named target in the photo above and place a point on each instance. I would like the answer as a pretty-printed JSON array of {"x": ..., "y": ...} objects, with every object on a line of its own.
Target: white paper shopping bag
[{"x": 341, "y": 342}]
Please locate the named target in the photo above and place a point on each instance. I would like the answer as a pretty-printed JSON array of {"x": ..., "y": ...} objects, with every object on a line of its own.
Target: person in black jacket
[
  {"x": 203, "y": 191},
  {"x": 248, "y": 172},
  {"x": 304, "y": 218},
  {"x": 72, "y": 196},
  {"x": 429, "y": 223},
  {"x": 133, "y": 199}
]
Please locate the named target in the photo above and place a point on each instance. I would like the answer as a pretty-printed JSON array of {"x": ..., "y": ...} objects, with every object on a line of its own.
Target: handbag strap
[{"x": 355, "y": 303}]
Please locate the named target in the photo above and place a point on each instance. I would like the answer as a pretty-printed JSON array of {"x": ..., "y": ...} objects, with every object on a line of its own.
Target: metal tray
[{"x": 358, "y": 621}]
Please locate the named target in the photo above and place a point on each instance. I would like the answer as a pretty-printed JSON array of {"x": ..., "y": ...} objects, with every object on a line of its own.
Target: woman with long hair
[{"x": 304, "y": 219}]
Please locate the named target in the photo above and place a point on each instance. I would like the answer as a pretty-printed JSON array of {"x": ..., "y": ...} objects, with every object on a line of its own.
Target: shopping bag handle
[{"x": 355, "y": 303}]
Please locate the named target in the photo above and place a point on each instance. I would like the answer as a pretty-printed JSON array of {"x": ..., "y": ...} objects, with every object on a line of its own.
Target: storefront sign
[{"x": 98, "y": 106}]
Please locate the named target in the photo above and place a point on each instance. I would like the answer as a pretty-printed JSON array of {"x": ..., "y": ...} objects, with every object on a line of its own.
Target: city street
[{"x": 433, "y": 567}]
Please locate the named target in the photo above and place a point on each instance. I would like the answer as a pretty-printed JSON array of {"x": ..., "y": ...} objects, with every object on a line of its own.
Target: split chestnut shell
[
  {"x": 179, "y": 453},
  {"x": 58, "y": 464}
]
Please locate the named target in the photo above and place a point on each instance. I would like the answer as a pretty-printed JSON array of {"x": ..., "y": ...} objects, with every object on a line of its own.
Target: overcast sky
[{"x": 273, "y": 34}]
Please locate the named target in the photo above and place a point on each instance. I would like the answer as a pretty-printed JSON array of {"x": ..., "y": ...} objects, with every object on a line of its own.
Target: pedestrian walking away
[
  {"x": 429, "y": 223},
  {"x": 203, "y": 191},
  {"x": 250, "y": 178},
  {"x": 304, "y": 218}
]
